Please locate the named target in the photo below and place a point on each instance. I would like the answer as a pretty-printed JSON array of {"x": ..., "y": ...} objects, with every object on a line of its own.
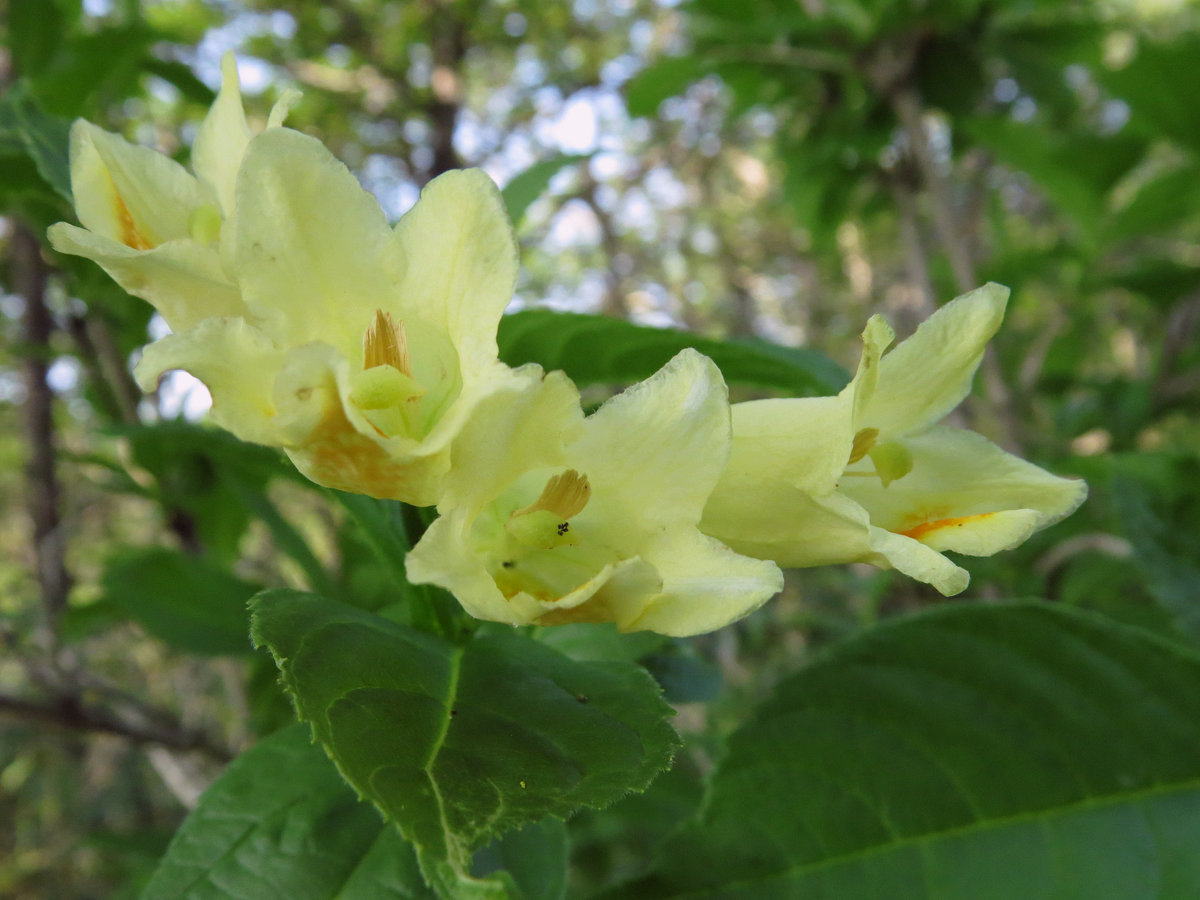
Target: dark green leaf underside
[
  {"x": 1006, "y": 751},
  {"x": 602, "y": 350}
]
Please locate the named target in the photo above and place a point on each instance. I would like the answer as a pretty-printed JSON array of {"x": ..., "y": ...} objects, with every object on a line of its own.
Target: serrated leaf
[
  {"x": 1007, "y": 751},
  {"x": 526, "y": 187},
  {"x": 281, "y": 822},
  {"x": 460, "y": 743},
  {"x": 184, "y": 600},
  {"x": 599, "y": 349}
]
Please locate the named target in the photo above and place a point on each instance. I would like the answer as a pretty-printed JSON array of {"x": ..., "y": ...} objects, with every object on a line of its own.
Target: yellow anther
[
  {"x": 543, "y": 524},
  {"x": 385, "y": 344},
  {"x": 565, "y": 495},
  {"x": 863, "y": 442}
]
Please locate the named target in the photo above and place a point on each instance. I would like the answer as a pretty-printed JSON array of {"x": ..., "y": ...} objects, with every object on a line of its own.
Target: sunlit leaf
[{"x": 458, "y": 744}]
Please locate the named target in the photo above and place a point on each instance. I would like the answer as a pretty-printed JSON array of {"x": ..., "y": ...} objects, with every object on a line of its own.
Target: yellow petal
[
  {"x": 929, "y": 374},
  {"x": 656, "y": 450},
  {"x": 916, "y": 560},
  {"x": 130, "y": 194},
  {"x": 705, "y": 585},
  {"x": 313, "y": 250},
  {"x": 183, "y": 280},
  {"x": 956, "y": 475},
  {"x": 236, "y": 362},
  {"x": 459, "y": 260},
  {"x": 222, "y": 138}
]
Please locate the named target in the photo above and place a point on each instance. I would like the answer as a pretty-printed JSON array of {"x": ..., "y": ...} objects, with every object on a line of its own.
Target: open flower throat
[
  {"x": 891, "y": 459},
  {"x": 385, "y": 390},
  {"x": 538, "y": 549},
  {"x": 545, "y": 523}
]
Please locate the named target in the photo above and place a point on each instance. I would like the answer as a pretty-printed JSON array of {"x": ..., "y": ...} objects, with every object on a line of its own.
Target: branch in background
[
  {"x": 891, "y": 73},
  {"x": 1182, "y": 324},
  {"x": 118, "y": 404},
  {"x": 907, "y": 108},
  {"x": 449, "y": 46},
  {"x": 69, "y": 712},
  {"x": 615, "y": 299},
  {"x": 43, "y": 492},
  {"x": 915, "y": 261}
]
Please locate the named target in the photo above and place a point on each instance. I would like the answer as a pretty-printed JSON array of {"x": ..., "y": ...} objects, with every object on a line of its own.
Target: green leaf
[
  {"x": 535, "y": 858},
  {"x": 181, "y": 77},
  {"x": 1159, "y": 205},
  {"x": 281, "y": 822},
  {"x": 662, "y": 79},
  {"x": 1155, "y": 108},
  {"x": 100, "y": 66},
  {"x": 1003, "y": 751},
  {"x": 529, "y": 185},
  {"x": 599, "y": 349},
  {"x": 1171, "y": 576},
  {"x": 458, "y": 744},
  {"x": 184, "y": 600},
  {"x": 46, "y": 138},
  {"x": 35, "y": 30},
  {"x": 1074, "y": 171},
  {"x": 220, "y": 482},
  {"x": 382, "y": 526}
]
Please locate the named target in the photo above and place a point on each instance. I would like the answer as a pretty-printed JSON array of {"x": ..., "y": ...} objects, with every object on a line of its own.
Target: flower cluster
[{"x": 368, "y": 354}]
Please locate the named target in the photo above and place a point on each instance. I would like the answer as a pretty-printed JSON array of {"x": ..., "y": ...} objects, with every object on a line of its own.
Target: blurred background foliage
[{"x": 765, "y": 169}]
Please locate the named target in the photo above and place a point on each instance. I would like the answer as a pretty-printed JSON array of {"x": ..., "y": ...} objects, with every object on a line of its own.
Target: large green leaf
[
  {"x": 460, "y": 743},
  {"x": 599, "y": 349},
  {"x": 281, "y": 822},
  {"x": 1004, "y": 751}
]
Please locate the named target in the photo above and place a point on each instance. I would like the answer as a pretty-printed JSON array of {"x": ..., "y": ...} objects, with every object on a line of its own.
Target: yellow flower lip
[{"x": 924, "y": 529}]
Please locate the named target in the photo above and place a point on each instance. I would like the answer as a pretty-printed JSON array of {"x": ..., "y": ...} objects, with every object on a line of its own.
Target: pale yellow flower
[
  {"x": 156, "y": 228},
  {"x": 869, "y": 475},
  {"x": 607, "y": 532},
  {"x": 362, "y": 350}
]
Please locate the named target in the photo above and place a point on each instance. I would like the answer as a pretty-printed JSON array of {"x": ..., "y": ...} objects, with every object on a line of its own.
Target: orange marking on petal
[
  {"x": 130, "y": 235},
  {"x": 917, "y": 532},
  {"x": 338, "y": 456}
]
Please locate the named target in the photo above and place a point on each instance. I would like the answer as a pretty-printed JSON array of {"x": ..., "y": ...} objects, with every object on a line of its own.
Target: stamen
[
  {"x": 565, "y": 495},
  {"x": 386, "y": 344},
  {"x": 863, "y": 442},
  {"x": 543, "y": 524}
]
